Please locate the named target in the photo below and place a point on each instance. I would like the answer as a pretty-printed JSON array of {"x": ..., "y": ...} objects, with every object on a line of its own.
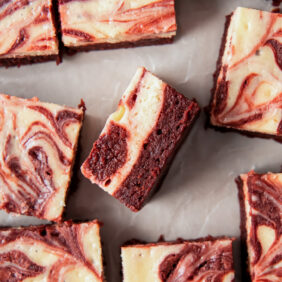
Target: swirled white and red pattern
[
  {"x": 54, "y": 253},
  {"x": 248, "y": 92},
  {"x": 198, "y": 261},
  {"x": 37, "y": 147},
  {"x": 27, "y": 29},
  {"x": 262, "y": 204},
  {"x": 86, "y": 22}
]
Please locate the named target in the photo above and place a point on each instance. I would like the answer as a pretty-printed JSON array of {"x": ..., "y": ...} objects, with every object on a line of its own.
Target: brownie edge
[
  {"x": 133, "y": 153},
  {"x": 27, "y": 60},
  {"x": 174, "y": 123},
  {"x": 108, "y": 46}
]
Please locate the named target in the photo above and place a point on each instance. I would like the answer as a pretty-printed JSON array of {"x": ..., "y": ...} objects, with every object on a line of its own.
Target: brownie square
[
  {"x": 208, "y": 259},
  {"x": 261, "y": 209},
  {"x": 27, "y": 32},
  {"x": 103, "y": 24},
  {"x": 37, "y": 145},
  {"x": 140, "y": 139},
  {"x": 248, "y": 82},
  {"x": 62, "y": 252}
]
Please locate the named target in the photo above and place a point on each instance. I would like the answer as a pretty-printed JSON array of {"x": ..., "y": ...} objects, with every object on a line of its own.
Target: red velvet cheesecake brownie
[
  {"x": 261, "y": 213},
  {"x": 204, "y": 260},
  {"x": 103, "y": 24},
  {"x": 64, "y": 252},
  {"x": 27, "y": 32},
  {"x": 37, "y": 146},
  {"x": 140, "y": 139},
  {"x": 248, "y": 84}
]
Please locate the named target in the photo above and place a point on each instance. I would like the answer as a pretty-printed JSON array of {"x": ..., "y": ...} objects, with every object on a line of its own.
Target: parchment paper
[{"x": 199, "y": 196}]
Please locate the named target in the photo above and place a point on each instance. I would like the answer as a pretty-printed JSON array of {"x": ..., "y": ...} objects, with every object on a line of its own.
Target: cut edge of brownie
[
  {"x": 74, "y": 163},
  {"x": 173, "y": 155},
  {"x": 243, "y": 239},
  {"x": 27, "y": 60},
  {"x": 57, "y": 25},
  {"x": 125, "y": 44},
  {"x": 49, "y": 224},
  {"x": 208, "y": 238},
  {"x": 245, "y": 133},
  {"x": 216, "y": 73},
  {"x": 131, "y": 196}
]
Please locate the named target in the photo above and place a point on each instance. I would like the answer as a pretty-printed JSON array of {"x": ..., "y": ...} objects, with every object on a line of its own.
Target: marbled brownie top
[
  {"x": 209, "y": 260},
  {"x": 248, "y": 94},
  {"x": 27, "y": 29},
  {"x": 263, "y": 214},
  {"x": 98, "y": 21},
  {"x": 37, "y": 148},
  {"x": 67, "y": 252}
]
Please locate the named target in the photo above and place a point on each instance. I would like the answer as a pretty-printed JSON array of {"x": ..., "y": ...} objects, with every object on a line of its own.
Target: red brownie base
[
  {"x": 127, "y": 44},
  {"x": 12, "y": 62},
  {"x": 159, "y": 150}
]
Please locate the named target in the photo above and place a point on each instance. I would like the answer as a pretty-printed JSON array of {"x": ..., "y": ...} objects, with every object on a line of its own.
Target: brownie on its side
[
  {"x": 261, "y": 213},
  {"x": 140, "y": 139},
  {"x": 37, "y": 145},
  {"x": 100, "y": 24},
  {"x": 63, "y": 252},
  {"x": 248, "y": 84},
  {"x": 27, "y": 32},
  {"x": 208, "y": 259}
]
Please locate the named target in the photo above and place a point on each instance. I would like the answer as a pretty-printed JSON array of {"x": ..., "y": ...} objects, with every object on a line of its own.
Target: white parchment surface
[{"x": 199, "y": 196}]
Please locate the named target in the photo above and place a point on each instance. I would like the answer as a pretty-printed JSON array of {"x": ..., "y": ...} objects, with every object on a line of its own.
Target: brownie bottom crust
[
  {"x": 18, "y": 61},
  {"x": 126, "y": 44},
  {"x": 249, "y": 134}
]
